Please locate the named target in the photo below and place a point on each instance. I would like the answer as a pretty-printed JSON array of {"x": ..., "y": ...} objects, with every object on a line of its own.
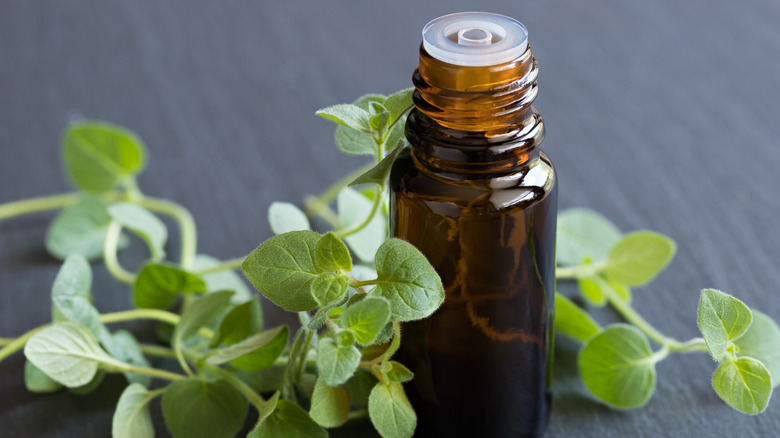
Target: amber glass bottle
[{"x": 478, "y": 198}]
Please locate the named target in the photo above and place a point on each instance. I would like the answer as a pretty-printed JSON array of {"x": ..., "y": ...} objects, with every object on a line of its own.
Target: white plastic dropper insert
[{"x": 475, "y": 39}]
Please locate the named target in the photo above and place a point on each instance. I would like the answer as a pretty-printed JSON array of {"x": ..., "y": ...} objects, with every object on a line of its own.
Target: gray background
[{"x": 662, "y": 115}]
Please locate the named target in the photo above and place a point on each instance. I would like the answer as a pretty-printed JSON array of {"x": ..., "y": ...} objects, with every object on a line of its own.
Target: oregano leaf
[
  {"x": 285, "y": 217},
  {"x": 407, "y": 281},
  {"x": 288, "y": 420},
  {"x": 336, "y": 363},
  {"x": 131, "y": 417},
  {"x": 396, "y": 372},
  {"x": 331, "y": 254},
  {"x": 744, "y": 384},
  {"x": 282, "y": 269},
  {"x": 143, "y": 223},
  {"x": 194, "y": 408},
  {"x": 123, "y": 346},
  {"x": 74, "y": 279},
  {"x": 98, "y": 155},
  {"x": 398, "y": 102},
  {"x": 240, "y": 322},
  {"x": 353, "y": 142},
  {"x": 761, "y": 341},
  {"x": 638, "y": 257},
  {"x": 254, "y": 353},
  {"x": 329, "y": 405},
  {"x": 390, "y": 411},
  {"x": 583, "y": 233},
  {"x": 347, "y": 115},
  {"x": 198, "y": 313},
  {"x": 366, "y": 318},
  {"x": 591, "y": 290},
  {"x": 81, "y": 229},
  {"x": 722, "y": 319},
  {"x": 158, "y": 284},
  {"x": 572, "y": 321},
  {"x": 328, "y": 288},
  {"x": 36, "y": 380},
  {"x": 618, "y": 367},
  {"x": 379, "y": 173},
  {"x": 68, "y": 353}
]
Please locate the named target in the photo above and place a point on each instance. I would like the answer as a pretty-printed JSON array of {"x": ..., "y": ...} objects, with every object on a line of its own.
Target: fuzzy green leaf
[
  {"x": 390, "y": 411},
  {"x": 407, "y": 281},
  {"x": 366, "y": 318},
  {"x": 132, "y": 418},
  {"x": 591, "y": 290},
  {"x": 617, "y": 366},
  {"x": 396, "y": 372},
  {"x": 158, "y": 284},
  {"x": 582, "y": 233},
  {"x": 285, "y": 217},
  {"x": 68, "y": 353},
  {"x": 143, "y": 223},
  {"x": 328, "y": 288},
  {"x": 194, "y": 408},
  {"x": 379, "y": 173},
  {"x": 353, "y": 142},
  {"x": 336, "y": 363},
  {"x": 329, "y": 405},
  {"x": 81, "y": 229},
  {"x": 74, "y": 279},
  {"x": 255, "y": 352},
  {"x": 288, "y": 420},
  {"x": 282, "y": 269},
  {"x": 744, "y": 384},
  {"x": 331, "y": 254},
  {"x": 36, "y": 380},
  {"x": 239, "y": 323},
  {"x": 99, "y": 155},
  {"x": 572, "y": 321},
  {"x": 762, "y": 342},
  {"x": 639, "y": 256},
  {"x": 379, "y": 116},
  {"x": 399, "y": 102},
  {"x": 722, "y": 319},
  {"x": 199, "y": 313},
  {"x": 347, "y": 115}
]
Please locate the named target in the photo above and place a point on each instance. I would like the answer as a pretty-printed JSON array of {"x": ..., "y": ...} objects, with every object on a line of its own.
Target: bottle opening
[{"x": 475, "y": 38}]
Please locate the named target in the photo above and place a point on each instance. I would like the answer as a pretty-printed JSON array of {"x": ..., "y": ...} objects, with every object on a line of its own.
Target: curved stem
[
  {"x": 35, "y": 205},
  {"x": 575, "y": 272},
  {"x": 129, "y": 315},
  {"x": 315, "y": 206},
  {"x": 636, "y": 319},
  {"x": 224, "y": 266},
  {"x": 156, "y": 350},
  {"x": 19, "y": 342},
  {"x": 393, "y": 345},
  {"x": 253, "y": 397},
  {"x": 109, "y": 254},
  {"x": 189, "y": 236},
  {"x": 378, "y": 198}
]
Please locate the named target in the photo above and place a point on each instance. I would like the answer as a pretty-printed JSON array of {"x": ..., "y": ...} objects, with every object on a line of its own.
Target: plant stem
[
  {"x": 5, "y": 341},
  {"x": 189, "y": 236},
  {"x": 18, "y": 343},
  {"x": 34, "y": 205},
  {"x": 156, "y": 350},
  {"x": 357, "y": 414},
  {"x": 109, "y": 254},
  {"x": 254, "y": 398},
  {"x": 224, "y": 266},
  {"x": 378, "y": 198},
  {"x": 314, "y": 207},
  {"x": 636, "y": 319},
  {"x": 306, "y": 344},
  {"x": 393, "y": 345},
  {"x": 358, "y": 283},
  {"x": 322, "y": 210},
  {"x": 162, "y": 374},
  {"x": 575, "y": 272}
]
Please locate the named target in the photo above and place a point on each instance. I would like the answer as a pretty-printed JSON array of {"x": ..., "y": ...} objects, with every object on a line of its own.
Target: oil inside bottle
[{"x": 478, "y": 198}]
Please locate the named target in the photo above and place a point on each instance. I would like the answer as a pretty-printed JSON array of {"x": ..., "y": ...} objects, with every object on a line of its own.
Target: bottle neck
[{"x": 475, "y": 121}]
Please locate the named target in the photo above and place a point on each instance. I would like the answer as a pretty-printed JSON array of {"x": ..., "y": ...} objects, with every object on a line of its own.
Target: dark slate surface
[{"x": 662, "y": 115}]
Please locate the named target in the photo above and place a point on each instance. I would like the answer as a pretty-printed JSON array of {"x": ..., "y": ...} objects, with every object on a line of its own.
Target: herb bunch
[{"x": 351, "y": 287}]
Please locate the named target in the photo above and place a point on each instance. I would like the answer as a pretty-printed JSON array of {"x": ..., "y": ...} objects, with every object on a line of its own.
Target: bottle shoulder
[{"x": 526, "y": 185}]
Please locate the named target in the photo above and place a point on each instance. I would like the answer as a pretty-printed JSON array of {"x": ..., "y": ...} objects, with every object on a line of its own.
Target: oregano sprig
[{"x": 343, "y": 283}]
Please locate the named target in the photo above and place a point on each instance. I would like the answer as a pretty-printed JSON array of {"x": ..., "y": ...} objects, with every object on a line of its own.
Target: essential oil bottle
[{"x": 478, "y": 197}]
